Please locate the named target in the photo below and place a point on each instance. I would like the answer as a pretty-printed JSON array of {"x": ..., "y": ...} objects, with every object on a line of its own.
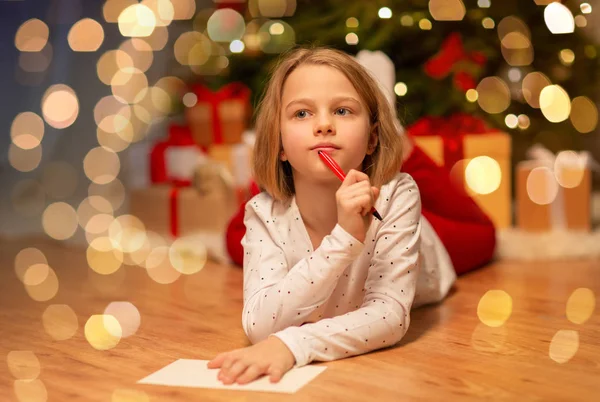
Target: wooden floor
[{"x": 447, "y": 354}]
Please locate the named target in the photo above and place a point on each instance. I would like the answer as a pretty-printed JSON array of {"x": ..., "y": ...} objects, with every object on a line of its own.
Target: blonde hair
[{"x": 275, "y": 176}]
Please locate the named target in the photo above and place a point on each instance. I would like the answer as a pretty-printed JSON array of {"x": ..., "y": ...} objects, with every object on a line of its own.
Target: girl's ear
[
  {"x": 282, "y": 156},
  {"x": 373, "y": 139}
]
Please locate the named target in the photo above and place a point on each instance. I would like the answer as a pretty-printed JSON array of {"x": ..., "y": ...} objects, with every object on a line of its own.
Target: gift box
[
  {"x": 553, "y": 193},
  {"x": 180, "y": 211},
  {"x": 174, "y": 159},
  {"x": 219, "y": 117},
  {"x": 454, "y": 142}
]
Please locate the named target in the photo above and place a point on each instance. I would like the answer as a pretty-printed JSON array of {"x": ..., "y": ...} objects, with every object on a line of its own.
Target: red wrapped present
[{"x": 219, "y": 117}]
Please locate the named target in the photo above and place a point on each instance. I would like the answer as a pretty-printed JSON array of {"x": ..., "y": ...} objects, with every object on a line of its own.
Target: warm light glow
[
  {"x": 23, "y": 364},
  {"x": 60, "y": 322},
  {"x": 127, "y": 233},
  {"x": 113, "y": 8},
  {"x": 564, "y": 345},
  {"x": 567, "y": 57},
  {"x": 447, "y": 10},
  {"x": 128, "y": 86},
  {"x": 569, "y": 169},
  {"x": 352, "y": 22},
  {"x": 226, "y": 25},
  {"x": 407, "y": 21},
  {"x": 483, "y": 175},
  {"x": 472, "y": 95},
  {"x": 523, "y": 121},
  {"x": 352, "y": 38},
  {"x": 137, "y": 20},
  {"x": 484, "y": 3},
  {"x": 580, "y": 21},
  {"x": 184, "y": 9},
  {"x": 103, "y": 332},
  {"x": 41, "y": 282},
  {"x": 59, "y": 221},
  {"x": 542, "y": 186},
  {"x": 27, "y": 130},
  {"x": 494, "y": 308},
  {"x": 103, "y": 257},
  {"x": 192, "y": 48},
  {"x": 32, "y": 36},
  {"x": 187, "y": 258},
  {"x": 159, "y": 267},
  {"x": 237, "y": 46},
  {"x": 488, "y": 23},
  {"x": 111, "y": 62},
  {"x": 581, "y": 305},
  {"x": 400, "y": 89},
  {"x": 30, "y": 391},
  {"x": 24, "y": 160},
  {"x": 586, "y": 8},
  {"x": 163, "y": 11},
  {"x": 584, "y": 114},
  {"x": 514, "y": 74},
  {"x": 511, "y": 121},
  {"x": 101, "y": 165},
  {"x": 86, "y": 36},
  {"x": 276, "y": 28},
  {"x": 190, "y": 99},
  {"x": 384, "y": 13},
  {"x": 425, "y": 24},
  {"x": 92, "y": 206},
  {"x": 559, "y": 18},
  {"x": 126, "y": 314},
  {"x": 113, "y": 191},
  {"x": 494, "y": 95},
  {"x": 555, "y": 103},
  {"x": 139, "y": 51},
  {"x": 60, "y": 106},
  {"x": 26, "y": 258},
  {"x": 533, "y": 83}
]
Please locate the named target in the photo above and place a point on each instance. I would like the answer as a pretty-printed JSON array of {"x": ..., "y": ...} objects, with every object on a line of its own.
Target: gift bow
[
  {"x": 543, "y": 155},
  {"x": 452, "y": 52},
  {"x": 232, "y": 91},
  {"x": 179, "y": 136},
  {"x": 451, "y": 130}
]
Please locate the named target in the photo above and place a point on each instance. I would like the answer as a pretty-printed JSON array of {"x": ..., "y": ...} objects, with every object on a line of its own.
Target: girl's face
[{"x": 322, "y": 110}]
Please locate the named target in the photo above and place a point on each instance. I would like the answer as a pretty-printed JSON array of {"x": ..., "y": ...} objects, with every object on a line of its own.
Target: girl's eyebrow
[{"x": 309, "y": 101}]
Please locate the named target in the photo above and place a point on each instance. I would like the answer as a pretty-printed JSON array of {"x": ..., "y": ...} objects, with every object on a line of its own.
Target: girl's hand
[
  {"x": 355, "y": 197},
  {"x": 269, "y": 357}
]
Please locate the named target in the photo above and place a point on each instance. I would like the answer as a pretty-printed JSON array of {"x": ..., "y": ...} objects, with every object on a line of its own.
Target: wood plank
[{"x": 447, "y": 352}]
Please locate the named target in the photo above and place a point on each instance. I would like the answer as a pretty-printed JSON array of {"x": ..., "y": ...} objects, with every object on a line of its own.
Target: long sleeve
[
  {"x": 275, "y": 295},
  {"x": 384, "y": 316}
]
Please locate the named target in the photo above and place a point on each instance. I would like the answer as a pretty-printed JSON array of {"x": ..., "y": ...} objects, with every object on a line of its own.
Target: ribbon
[
  {"x": 544, "y": 157},
  {"x": 452, "y": 131},
  {"x": 232, "y": 91},
  {"x": 451, "y": 55}
]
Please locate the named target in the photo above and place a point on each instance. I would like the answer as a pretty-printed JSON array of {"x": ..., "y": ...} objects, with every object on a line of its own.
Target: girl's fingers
[
  {"x": 232, "y": 374},
  {"x": 251, "y": 374},
  {"x": 275, "y": 374},
  {"x": 217, "y": 361}
]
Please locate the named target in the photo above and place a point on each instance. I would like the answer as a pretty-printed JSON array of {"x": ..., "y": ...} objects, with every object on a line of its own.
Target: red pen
[{"x": 335, "y": 168}]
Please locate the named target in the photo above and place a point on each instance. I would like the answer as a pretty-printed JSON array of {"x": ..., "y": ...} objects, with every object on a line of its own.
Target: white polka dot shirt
[{"x": 344, "y": 298}]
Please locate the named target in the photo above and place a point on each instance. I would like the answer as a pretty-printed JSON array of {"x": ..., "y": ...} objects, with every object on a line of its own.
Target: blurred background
[{"x": 127, "y": 124}]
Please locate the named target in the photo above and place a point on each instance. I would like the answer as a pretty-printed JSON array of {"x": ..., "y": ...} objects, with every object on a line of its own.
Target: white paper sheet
[{"x": 194, "y": 373}]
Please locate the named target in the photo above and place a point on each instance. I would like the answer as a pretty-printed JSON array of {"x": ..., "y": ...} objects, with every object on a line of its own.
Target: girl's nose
[{"x": 324, "y": 126}]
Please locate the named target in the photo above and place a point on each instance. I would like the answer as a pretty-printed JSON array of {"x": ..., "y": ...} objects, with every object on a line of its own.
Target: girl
[{"x": 322, "y": 279}]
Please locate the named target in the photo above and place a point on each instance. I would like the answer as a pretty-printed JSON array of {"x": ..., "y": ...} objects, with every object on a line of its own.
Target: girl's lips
[{"x": 325, "y": 149}]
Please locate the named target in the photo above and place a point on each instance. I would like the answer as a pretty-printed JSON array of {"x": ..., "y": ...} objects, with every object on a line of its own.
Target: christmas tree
[{"x": 488, "y": 58}]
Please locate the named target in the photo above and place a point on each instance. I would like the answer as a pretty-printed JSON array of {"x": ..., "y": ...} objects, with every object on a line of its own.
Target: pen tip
[{"x": 376, "y": 215}]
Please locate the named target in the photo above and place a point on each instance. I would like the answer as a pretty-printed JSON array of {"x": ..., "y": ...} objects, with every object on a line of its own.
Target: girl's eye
[
  {"x": 301, "y": 114},
  {"x": 342, "y": 111}
]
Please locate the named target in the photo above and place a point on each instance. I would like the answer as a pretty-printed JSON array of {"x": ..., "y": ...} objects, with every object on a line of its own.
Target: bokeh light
[
  {"x": 59, "y": 221},
  {"x": 483, "y": 175},
  {"x": 523, "y": 121},
  {"x": 86, "y": 35},
  {"x": 60, "y": 106},
  {"x": 137, "y": 20},
  {"x": 114, "y": 192},
  {"x": 110, "y": 63},
  {"x": 566, "y": 57},
  {"x": 511, "y": 120},
  {"x": 28, "y": 197},
  {"x": 30, "y": 390},
  {"x": 192, "y": 48},
  {"x": 27, "y": 130},
  {"x": 352, "y": 38},
  {"x": 542, "y": 186},
  {"x": 559, "y": 18},
  {"x": 564, "y": 345},
  {"x": 190, "y": 99},
  {"x": 385, "y": 13},
  {"x": 226, "y": 25},
  {"x": 581, "y": 305},
  {"x": 352, "y": 22},
  {"x": 493, "y": 95},
  {"x": 101, "y": 165},
  {"x": 183, "y": 9},
  {"x": 279, "y": 42},
  {"x": 128, "y": 85},
  {"x": 24, "y": 160},
  {"x": 140, "y": 53},
  {"x": 126, "y": 314},
  {"x": 569, "y": 169},
  {"x": 102, "y": 332},
  {"x": 127, "y": 233},
  {"x": 494, "y": 308},
  {"x": 472, "y": 95},
  {"x": 36, "y": 62},
  {"x": 447, "y": 10},
  {"x": 584, "y": 114},
  {"x": 400, "y": 89},
  {"x": 26, "y": 258},
  {"x": 59, "y": 179},
  {"x": 186, "y": 257},
  {"x": 23, "y": 364},
  {"x": 41, "y": 282},
  {"x": 159, "y": 267},
  {"x": 163, "y": 11},
  {"x": 488, "y": 23},
  {"x": 102, "y": 256},
  {"x": 91, "y": 206},
  {"x": 32, "y": 36},
  {"x": 533, "y": 83},
  {"x": 60, "y": 322},
  {"x": 157, "y": 40},
  {"x": 555, "y": 103},
  {"x": 425, "y": 24},
  {"x": 113, "y": 8}
]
